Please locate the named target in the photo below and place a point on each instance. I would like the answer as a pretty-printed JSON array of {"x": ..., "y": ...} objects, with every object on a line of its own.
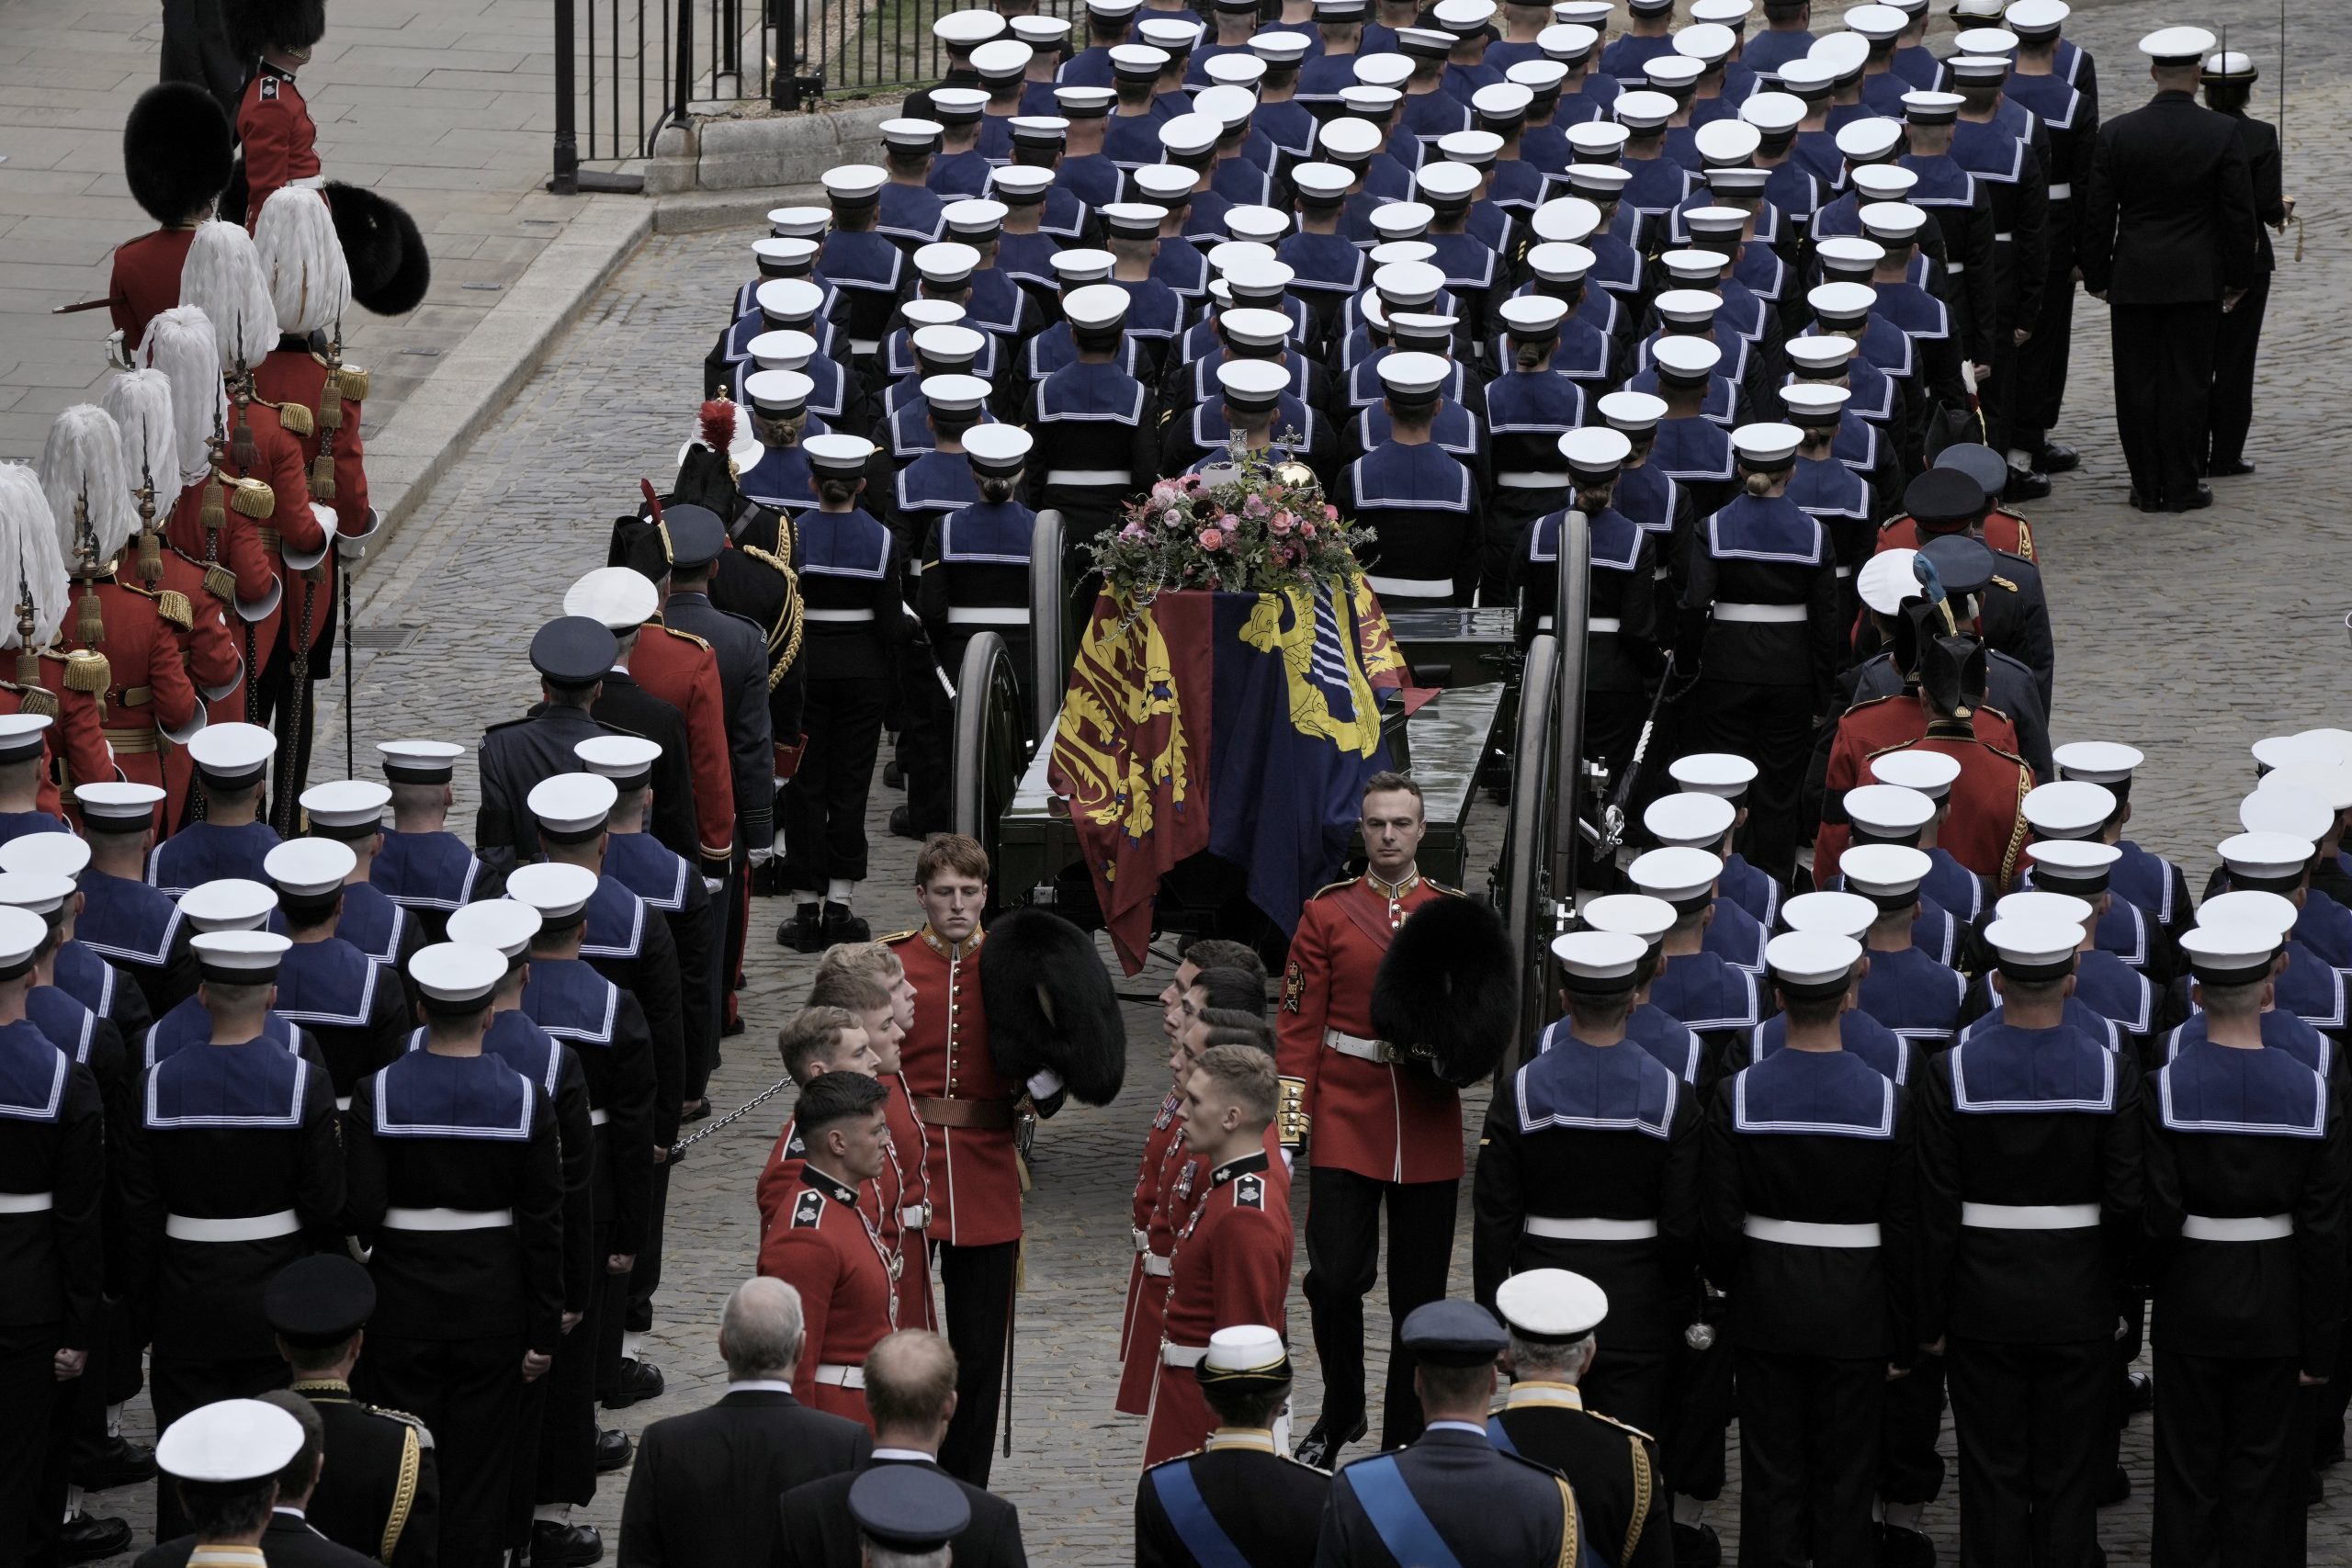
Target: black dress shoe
[
  {"x": 693, "y": 1110},
  {"x": 893, "y": 776},
  {"x": 902, "y": 824},
  {"x": 121, "y": 1463},
  {"x": 613, "y": 1449},
  {"x": 1321, "y": 1450},
  {"x": 843, "y": 926},
  {"x": 2138, "y": 504},
  {"x": 85, "y": 1538},
  {"x": 2026, "y": 485},
  {"x": 1900, "y": 1548},
  {"x": 2233, "y": 468},
  {"x": 564, "y": 1546},
  {"x": 2114, "y": 1488},
  {"x": 2198, "y": 501},
  {"x": 2057, "y": 457},
  {"x": 2139, "y": 1393},
  {"x": 1697, "y": 1545},
  {"x": 2316, "y": 1493},
  {"x": 803, "y": 932},
  {"x": 636, "y": 1381}
]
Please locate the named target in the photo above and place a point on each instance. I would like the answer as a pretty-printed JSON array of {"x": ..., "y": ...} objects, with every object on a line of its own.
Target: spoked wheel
[
  {"x": 1048, "y": 600},
  {"x": 991, "y": 739}
]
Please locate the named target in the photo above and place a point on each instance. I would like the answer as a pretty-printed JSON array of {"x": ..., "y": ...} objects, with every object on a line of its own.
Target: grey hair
[
  {"x": 1550, "y": 1361},
  {"x": 222, "y": 277},
  {"x": 761, "y": 1326},
  {"x": 880, "y": 1556}
]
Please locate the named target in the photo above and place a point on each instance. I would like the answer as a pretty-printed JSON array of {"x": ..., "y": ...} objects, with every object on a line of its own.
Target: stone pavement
[{"x": 2188, "y": 636}]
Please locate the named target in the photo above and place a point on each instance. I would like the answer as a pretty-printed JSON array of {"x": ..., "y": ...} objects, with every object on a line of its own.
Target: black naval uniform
[
  {"x": 53, "y": 1177},
  {"x": 381, "y": 1492},
  {"x": 1614, "y": 1467},
  {"x": 2068, "y": 114},
  {"x": 289, "y": 1540},
  {"x": 138, "y": 931},
  {"x": 1421, "y": 503},
  {"x": 2168, "y": 229},
  {"x": 974, "y": 578},
  {"x": 354, "y": 1007},
  {"x": 1450, "y": 1493},
  {"x": 1622, "y": 633},
  {"x": 230, "y": 1169},
  {"x": 514, "y": 757},
  {"x": 1098, "y": 446},
  {"x": 1239, "y": 1502},
  {"x": 2246, "y": 1251},
  {"x": 2029, "y": 1206},
  {"x": 457, "y": 1186},
  {"x": 2240, "y": 333}
]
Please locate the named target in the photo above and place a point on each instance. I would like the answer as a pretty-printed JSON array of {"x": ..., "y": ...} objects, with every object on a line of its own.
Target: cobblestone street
[{"x": 2186, "y": 636}]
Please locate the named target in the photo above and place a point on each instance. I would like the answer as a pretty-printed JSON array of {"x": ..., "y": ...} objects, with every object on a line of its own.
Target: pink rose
[
  {"x": 1282, "y": 524},
  {"x": 1212, "y": 540},
  {"x": 1255, "y": 506},
  {"x": 1163, "y": 492},
  {"x": 1307, "y": 529},
  {"x": 1331, "y": 515},
  {"x": 1190, "y": 484},
  {"x": 1132, "y": 531}
]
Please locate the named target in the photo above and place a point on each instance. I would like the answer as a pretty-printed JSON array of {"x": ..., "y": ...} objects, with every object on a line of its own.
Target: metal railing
[{"x": 635, "y": 81}]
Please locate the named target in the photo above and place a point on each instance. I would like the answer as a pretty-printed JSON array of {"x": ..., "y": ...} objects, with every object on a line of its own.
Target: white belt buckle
[
  {"x": 1558, "y": 1227},
  {"x": 447, "y": 1219},
  {"x": 27, "y": 1202},
  {"x": 243, "y": 1228},
  {"x": 1155, "y": 1267},
  {"x": 914, "y": 1217},
  {"x": 2243, "y": 1227},
  {"x": 1808, "y": 1233},
  {"x": 1376, "y": 1051},
  {"x": 1182, "y": 1355},
  {"x": 1142, "y": 1238},
  {"x": 2030, "y": 1216},
  {"x": 1596, "y": 626},
  {"x": 598, "y": 1116}
]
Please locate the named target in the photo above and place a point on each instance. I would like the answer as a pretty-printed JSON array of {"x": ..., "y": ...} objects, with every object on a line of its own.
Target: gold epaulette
[
  {"x": 2025, "y": 538},
  {"x": 250, "y": 498},
  {"x": 354, "y": 380},
  {"x": 292, "y": 417},
  {"x": 2004, "y": 582},
  {"x": 87, "y": 671},
  {"x": 687, "y": 636},
  {"x": 39, "y": 701},
  {"x": 220, "y": 583},
  {"x": 1442, "y": 887},
  {"x": 906, "y": 935},
  {"x": 1333, "y": 888},
  {"x": 172, "y": 608},
  {"x": 1621, "y": 1426}
]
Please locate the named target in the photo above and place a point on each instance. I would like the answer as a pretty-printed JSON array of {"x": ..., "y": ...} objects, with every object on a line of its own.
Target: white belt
[
  {"x": 2028, "y": 1216},
  {"x": 1157, "y": 1268},
  {"x": 1142, "y": 1239},
  {"x": 342, "y": 1102},
  {"x": 1560, "y": 1229},
  {"x": 1845, "y": 571},
  {"x": 1411, "y": 587},
  {"x": 2251, "y": 1228},
  {"x": 987, "y": 616},
  {"x": 863, "y": 345},
  {"x": 1182, "y": 1355},
  {"x": 1365, "y": 1050},
  {"x": 2004, "y": 238},
  {"x": 308, "y": 182},
  {"x": 447, "y": 1219},
  {"x": 599, "y": 1118},
  {"x": 1532, "y": 481},
  {"x": 1088, "y": 476},
  {"x": 1804, "y": 1233},
  {"x": 915, "y": 1217},
  {"x": 25, "y": 1203},
  {"x": 1595, "y": 624},
  {"x": 1955, "y": 268},
  {"x": 842, "y": 1377},
  {"x": 2061, "y": 192},
  {"x": 252, "y": 1227},
  {"x": 838, "y": 614},
  {"x": 1761, "y": 614}
]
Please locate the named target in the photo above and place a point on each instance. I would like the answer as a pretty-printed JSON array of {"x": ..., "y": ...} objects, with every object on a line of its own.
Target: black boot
[
  {"x": 121, "y": 1463},
  {"x": 841, "y": 926},
  {"x": 556, "y": 1545},
  {"x": 85, "y": 1538},
  {"x": 636, "y": 1381},
  {"x": 1320, "y": 1447},
  {"x": 801, "y": 933},
  {"x": 613, "y": 1449}
]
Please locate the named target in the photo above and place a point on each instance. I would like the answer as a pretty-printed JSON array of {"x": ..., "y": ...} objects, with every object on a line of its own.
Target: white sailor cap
[
  {"x": 2177, "y": 46},
  {"x": 1113, "y": 9},
  {"x": 1767, "y": 445},
  {"x": 778, "y": 393},
  {"x": 1174, "y": 34},
  {"x": 42, "y": 896},
  {"x": 1705, "y": 220},
  {"x": 779, "y": 257},
  {"x": 228, "y": 1441},
  {"x": 1246, "y": 328},
  {"x": 1382, "y": 69},
  {"x": 1875, "y": 23},
  {"x": 797, "y": 223},
  {"x": 2068, "y": 809},
  {"x": 1930, "y": 772},
  {"x": 1252, "y": 222},
  {"x": 1686, "y": 306},
  {"x": 1985, "y": 42},
  {"x": 1887, "y": 874},
  {"x": 1888, "y": 813},
  {"x": 1594, "y": 452},
  {"x": 1683, "y": 878},
  {"x": 788, "y": 298},
  {"x": 1402, "y": 219},
  {"x": 228, "y": 903},
  {"x": 2267, "y": 861},
  {"x": 1281, "y": 47},
  {"x": 1979, "y": 69},
  {"x": 786, "y": 348},
  {"x": 309, "y": 872},
  {"x": 1559, "y": 261},
  {"x": 911, "y": 133},
  {"x": 626, "y": 760},
  {"x": 963, "y": 29},
  {"x": 1642, "y": 110},
  {"x": 1132, "y": 219},
  {"x": 2033, "y": 19},
  {"x": 1097, "y": 307},
  {"x": 558, "y": 892},
  {"x": 1598, "y": 141},
  {"x": 1369, "y": 101},
  {"x": 1541, "y": 78},
  {"x": 1252, "y": 383},
  {"x": 946, "y": 261},
  {"x": 977, "y": 216},
  {"x": 2330, "y": 783},
  {"x": 1635, "y": 413},
  {"x": 1424, "y": 43},
  {"x": 1243, "y": 71},
  {"x": 1568, "y": 219},
  {"x": 1245, "y": 1347},
  {"x": 1824, "y": 355},
  {"x": 502, "y": 925},
  {"x": 1883, "y": 182},
  {"x": 2032, "y": 947},
  {"x": 1922, "y": 106},
  {"x": 23, "y": 736},
  {"x": 2229, "y": 952},
  {"x": 1532, "y": 317},
  {"x": 1550, "y": 1306},
  {"x": 234, "y": 756},
  {"x": 1599, "y": 963},
  {"x": 237, "y": 956},
  {"x": 997, "y": 451},
  {"x": 1725, "y": 774},
  {"x": 1475, "y": 149},
  {"x": 1833, "y": 914},
  {"x": 1730, "y": 13},
  {"x": 1039, "y": 31},
  {"x": 2270, "y": 913},
  {"x": 1081, "y": 264},
  {"x": 457, "y": 976},
  {"x": 1404, "y": 284},
  {"x": 1228, "y": 105},
  {"x": 960, "y": 106},
  {"x": 943, "y": 349},
  {"x": 1845, "y": 53},
  {"x": 853, "y": 184},
  {"x": 1338, "y": 13},
  {"x": 1675, "y": 76},
  {"x": 617, "y": 598},
  {"x": 1418, "y": 328},
  {"x": 419, "y": 761},
  {"x": 45, "y": 854},
  {"x": 1888, "y": 578},
  {"x": 2105, "y": 762},
  {"x": 1895, "y": 220},
  {"x": 1635, "y": 913},
  {"x": 1688, "y": 820},
  {"x": 117, "y": 806},
  {"x": 1189, "y": 135},
  {"x": 1864, "y": 141},
  {"x": 1684, "y": 361},
  {"x": 572, "y": 809},
  {"x": 1590, "y": 15},
  {"x": 1710, "y": 43},
  {"x": 1088, "y": 102},
  {"x": 1321, "y": 185},
  {"x": 1815, "y": 402},
  {"x": 1694, "y": 269},
  {"x": 2231, "y": 65},
  {"x": 1774, "y": 114},
  {"x": 2064, "y": 909},
  {"x": 954, "y": 394},
  {"x": 1839, "y": 303},
  {"x": 1414, "y": 376},
  {"x": 1447, "y": 185},
  {"x": 1501, "y": 103},
  {"x": 1463, "y": 15},
  {"x": 2274, "y": 752},
  {"x": 1388, "y": 253},
  {"x": 347, "y": 808},
  {"x": 1020, "y": 184},
  {"x": 1168, "y": 185},
  {"x": 1812, "y": 965},
  {"x": 1808, "y": 76},
  {"x": 1256, "y": 277},
  {"x": 999, "y": 59},
  {"x": 1227, "y": 255},
  {"x": 1137, "y": 61},
  {"x": 2080, "y": 866}
]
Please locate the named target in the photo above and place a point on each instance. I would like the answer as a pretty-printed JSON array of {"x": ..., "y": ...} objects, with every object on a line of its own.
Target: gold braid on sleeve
[{"x": 403, "y": 1493}]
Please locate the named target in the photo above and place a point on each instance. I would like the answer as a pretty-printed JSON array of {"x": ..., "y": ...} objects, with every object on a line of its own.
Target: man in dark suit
[
  {"x": 2229, "y": 85},
  {"x": 573, "y": 656},
  {"x": 2169, "y": 243},
  {"x": 700, "y": 1496},
  {"x": 911, "y": 1394},
  {"x": 213, "y": 1452}
]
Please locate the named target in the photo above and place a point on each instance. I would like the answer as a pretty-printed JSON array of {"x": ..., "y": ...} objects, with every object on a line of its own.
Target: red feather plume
[{"x": 719, "y": 425}]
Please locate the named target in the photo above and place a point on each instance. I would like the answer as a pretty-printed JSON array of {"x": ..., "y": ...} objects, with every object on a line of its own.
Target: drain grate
[{"x": 383, "y": 640}]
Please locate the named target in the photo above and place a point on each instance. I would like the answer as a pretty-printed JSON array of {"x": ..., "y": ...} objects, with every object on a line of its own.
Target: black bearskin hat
[
  {"x": 253, "y": 25},
  {"x": 1051, "y": 1006},
  {"x": 1446, "y": 991},
  {"x": 176, "y": 151},
  {"x": 384, "y": 249}
]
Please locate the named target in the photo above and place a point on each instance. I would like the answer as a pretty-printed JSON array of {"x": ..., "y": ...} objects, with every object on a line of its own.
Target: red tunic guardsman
[
  {"x": 176, "y": 157},
  {"x": 1984, "y": 827},
  {"x": 1163, "y": 1203},
  {"x": 274, "y": 124},
  {"x": 1231, "y": 1265},
  {"x": 965, "y": 1104},
  {"x": 2004, "y": 531},
  {"x": 900, "y": 1204},
  {"x": 1881, "y": 724},
  {"x": 681, "y": 670},
  {"x": 47, "y": 685}
]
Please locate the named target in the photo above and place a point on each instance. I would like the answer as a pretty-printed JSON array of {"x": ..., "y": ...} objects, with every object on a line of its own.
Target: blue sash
[
  {"x": 1497, "y": 1436},
  {"x": 1396, "y": 1515},
  {"x": 1188, "y": 1512}
]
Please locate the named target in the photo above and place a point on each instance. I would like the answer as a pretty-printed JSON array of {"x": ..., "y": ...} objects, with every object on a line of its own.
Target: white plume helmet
[
  {"x": 140, "y": 402},
  {"x": 81, "y": 467},
  {"x": 310, "y": 284},
  {"x": 28, "y": 555},
  {"x": 180, "y": 343},
  {"x": 222, "y": 277}
]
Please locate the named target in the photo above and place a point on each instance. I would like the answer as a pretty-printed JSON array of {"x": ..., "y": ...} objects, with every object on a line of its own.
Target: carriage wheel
[
  {"x": 1048, "y": 598},
  {"x": 991, "y": 739}
]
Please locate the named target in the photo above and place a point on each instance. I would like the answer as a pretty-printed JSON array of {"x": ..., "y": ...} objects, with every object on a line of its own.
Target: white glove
[
  {"x": 759, "y": 857},
  {"x": 1290, "y": 1157},
  {"x": 1044, "y": 1084},
  {"x": 711, "y": 885}
]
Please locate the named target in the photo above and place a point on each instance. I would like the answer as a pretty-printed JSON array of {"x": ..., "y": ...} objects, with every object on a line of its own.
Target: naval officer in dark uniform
[
  {"x": 571, "y": 654},
  {"x": 2229, "y": 85},
  {"x": 2170, "y": 241},
  {"x": 1240, "y": 1501},
  {"x": 1450, "y": 1495},
  {"x": 1553, "y": 1318},
  {"x": 379, "y": 1493}
]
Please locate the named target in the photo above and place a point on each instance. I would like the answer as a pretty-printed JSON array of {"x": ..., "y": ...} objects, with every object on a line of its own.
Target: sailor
[
  {"x": 351, "y": 812},
  {"x": 422, "y": 866},
  {"x": 1419, "y": 498},
  {"x": 2140, "y": 877},
  {"x": 2301, "y": 812},
  {"x": 1908, "y": 989},
  {"x": 1254, "y": 409},
  {"x": 2005, "y": 148},
  {"x": 2071, "y": 808},
  {"x": 573, "y": 655},
  {"x": 997, "y": 303},
  {"x": 975, "y": 576},
  {"x": 2141, "y": 1011},
  {"x": 639, "y": 863},
  {"x": 230, "y": 839},
  {"x": 1453, "y": 1490},
  {"x": 858, "y": 258},
  {"x": 1239, "y": 1498},
  {"x": 124, "y": 921},
  {"x": 2066, "y": 112},
  {"x": 781, "y": 257},
  {"x": 346, "y": 998},
  {"x": 236, "y": 1136},
  {"x": 1703, "y": 819},
  {"x": 1714, "y": 998},
  {"x": 1600, "y": 1126},
  {"x": 1810, "y": 1228},
  {"x": 379, "y": 1492},
  {"x": 1848, "y": 915},
  {"x": 229, "y": 905},
  {"x": 2275, "y": 863},
  {"x": 2244, "y": 1211},
  {"x": 1530, "y": 406}
]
